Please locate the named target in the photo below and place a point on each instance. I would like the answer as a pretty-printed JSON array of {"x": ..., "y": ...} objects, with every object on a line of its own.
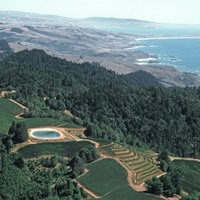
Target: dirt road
[{"x": 179, "y": 158}]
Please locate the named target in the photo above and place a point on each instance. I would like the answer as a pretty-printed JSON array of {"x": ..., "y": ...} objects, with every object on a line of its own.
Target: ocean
[{"x": 183, "y": 54}]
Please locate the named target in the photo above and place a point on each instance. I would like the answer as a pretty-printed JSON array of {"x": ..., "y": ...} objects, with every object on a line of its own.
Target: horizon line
[{"x": 105, "y": 17}]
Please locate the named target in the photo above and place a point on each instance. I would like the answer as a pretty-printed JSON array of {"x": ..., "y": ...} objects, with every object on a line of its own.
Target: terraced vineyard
[
  {"x": 142, "y": 164},
  {"x": 108, "y": 179}
]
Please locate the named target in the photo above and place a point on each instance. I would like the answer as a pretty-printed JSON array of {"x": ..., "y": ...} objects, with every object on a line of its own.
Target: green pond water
[{"x": 46, "y": 134}]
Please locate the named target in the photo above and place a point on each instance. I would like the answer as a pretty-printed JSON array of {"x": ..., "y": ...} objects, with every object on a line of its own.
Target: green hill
[
  {"x": 111, "y": 106},
  {"x": 8, "y": 111}
]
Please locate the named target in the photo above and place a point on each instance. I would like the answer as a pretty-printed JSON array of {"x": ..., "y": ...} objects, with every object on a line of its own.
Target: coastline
[
  {"x": 169, "y": 59},
  {"x": 168, "y": 38}
]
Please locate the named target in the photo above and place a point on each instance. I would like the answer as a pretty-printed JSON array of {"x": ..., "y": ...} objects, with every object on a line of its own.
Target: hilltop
[{"x": 34, "y": 18}]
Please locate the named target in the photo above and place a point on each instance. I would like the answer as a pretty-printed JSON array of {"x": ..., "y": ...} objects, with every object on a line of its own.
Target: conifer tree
[{"x": 20, "y": 133}]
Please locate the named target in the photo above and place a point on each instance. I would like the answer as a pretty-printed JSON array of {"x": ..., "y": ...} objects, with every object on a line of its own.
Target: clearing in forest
[
  {"x": 107, "y": 179},
  {"x": 11, "y": 110},
  {"x": 142, "y": 165}
]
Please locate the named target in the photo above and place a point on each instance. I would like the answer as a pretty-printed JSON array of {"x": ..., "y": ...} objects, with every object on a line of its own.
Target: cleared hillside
[
  {"x": 108, "y": 179},
  {"x": 8, "y": 111},
  {"x": 142, "y": 165}
]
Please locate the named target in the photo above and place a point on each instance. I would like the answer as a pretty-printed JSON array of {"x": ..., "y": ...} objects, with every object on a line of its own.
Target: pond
[{"x": 46, "y": 133}]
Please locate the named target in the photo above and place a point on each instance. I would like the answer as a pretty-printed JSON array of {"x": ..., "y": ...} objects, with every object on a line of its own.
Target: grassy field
[
  {"x": 8, "y": 110},
  {"x": 40, "y": 122},
  {"x": 127, "y": 193},
  {"x": 72, "y": 125},
  {"x": 191, "y": 181},
  {"x": 108, "y": 179},
  {"x": 101, "y": 142},
  {"x": 59, "y": 148},
  {"x": 104, "y": 176}
]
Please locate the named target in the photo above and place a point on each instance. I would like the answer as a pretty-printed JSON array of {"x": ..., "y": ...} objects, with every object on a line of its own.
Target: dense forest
[
  {"x": 132, "y": 108},
  {"x": 5, "y": 49}
]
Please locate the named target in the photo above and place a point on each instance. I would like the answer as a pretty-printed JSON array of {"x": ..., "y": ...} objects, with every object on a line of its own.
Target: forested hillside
[
  {"x": 112, "y": 106},
  {"x": 5, "y": 49}
]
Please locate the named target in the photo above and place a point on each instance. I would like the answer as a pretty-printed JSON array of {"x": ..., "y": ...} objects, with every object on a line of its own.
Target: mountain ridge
[{"x": 32, "y": 14}]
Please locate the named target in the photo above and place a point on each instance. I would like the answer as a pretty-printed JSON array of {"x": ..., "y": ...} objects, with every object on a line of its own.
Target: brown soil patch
[
  {"x": 134, "y": 156},
  {"x": 136, "y": 163},
  {"x": 106, "y": 145},
  {"x": 94, "y": 142},
  {"x": 18, "y": 146},
  {"x": 70, "y": 114},
  {"x": 92, "y": 194},
  {"x": 20, "y": 116},
  {"x": 3, "y": 93},
  {"x": 140, "y": 188},
  {"x": 176, "y": 197},
  {"x": 76, "y": 131},
  {"x": 121, "y": 153},
  {"x": 142, "y": 180},
  {"x": 158, "y": 176},
  {"x": 143, "y": 168}
]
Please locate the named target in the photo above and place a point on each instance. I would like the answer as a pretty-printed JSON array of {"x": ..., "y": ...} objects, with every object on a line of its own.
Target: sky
[{"x": 168, "y": 11}]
